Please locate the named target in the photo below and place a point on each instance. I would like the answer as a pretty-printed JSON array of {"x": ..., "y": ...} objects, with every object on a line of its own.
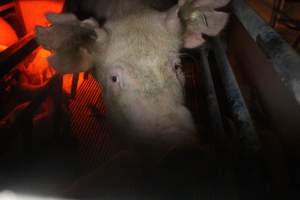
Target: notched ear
[
  {"x": 200, "y": 17},
  {"x": 72, "y": 41}
]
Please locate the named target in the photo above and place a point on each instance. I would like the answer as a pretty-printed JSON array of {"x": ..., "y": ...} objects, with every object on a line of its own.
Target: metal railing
[{"x": 285, "y": 59}]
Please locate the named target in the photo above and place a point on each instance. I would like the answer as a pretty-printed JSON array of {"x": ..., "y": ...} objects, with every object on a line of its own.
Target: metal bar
[
  {"x": 285, "y": 59},
  {"x": 24, "y": 120},
  {"x": 211, "y": 99},
  {"x": 235, "y": 100},
  {"x": 57, "y": 100},
  {"x": 14, "y": 54},
  {"x": 277, "y": 5},
  {"x": 86, "y": 75},
  {"x": 297, "y": 41},
  {"x": 274, "y": 14},
  {"x": 7, "y": 6},
  {"x": 223, "y": 181},
  {"x": 74, "y": 85}
]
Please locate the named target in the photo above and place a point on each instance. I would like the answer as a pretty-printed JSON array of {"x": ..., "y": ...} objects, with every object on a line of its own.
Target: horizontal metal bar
[
  {"x": 285, "y": 59},
  {"x": 7, "y": 6},
  {"x": 238, "y": 108}
]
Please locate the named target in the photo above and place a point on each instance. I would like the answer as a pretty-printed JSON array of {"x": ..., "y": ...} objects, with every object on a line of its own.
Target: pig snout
[
  {"x": 144, "y": 108},
  {"x": 151, "y": 124}
]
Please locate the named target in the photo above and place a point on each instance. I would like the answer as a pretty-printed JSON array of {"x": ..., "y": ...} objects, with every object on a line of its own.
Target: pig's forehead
[{"x": 141, "y": 38}]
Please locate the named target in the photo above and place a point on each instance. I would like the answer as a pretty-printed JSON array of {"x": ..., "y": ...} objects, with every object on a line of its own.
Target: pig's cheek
[
  {"x": 180, "y": 77},
  {"x": 116, "y": 90},
  {"x": 113, "y": 89}
]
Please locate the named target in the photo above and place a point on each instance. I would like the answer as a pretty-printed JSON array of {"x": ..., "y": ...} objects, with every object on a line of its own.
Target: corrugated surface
[{"x": 89, "y": 126}]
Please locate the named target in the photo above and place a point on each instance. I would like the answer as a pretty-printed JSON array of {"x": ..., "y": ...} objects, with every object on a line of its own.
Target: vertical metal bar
[
  {"x": 25, "y": 120},
  {"x": 57, "y": 93},
  {"x": 224, "y": 180},
  {"x": 26, "y": 133},
  {"x": 274, "y": 13},
  {"x": 74, "y": 85},
  {"x": 235, "y": 100},
  {"x": 211, "y": 99},
  {"x": 86, "y": 75},
  {"x": 277, "y": 5},
  {"x": 297, "y": 41}
]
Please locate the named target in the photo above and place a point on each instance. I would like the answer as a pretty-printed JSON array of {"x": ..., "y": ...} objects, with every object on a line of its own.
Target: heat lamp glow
[
  {"x": 37, "y": 72},
  {"x": 33, "y": 12},
  {"x": 7, "y": 35}
]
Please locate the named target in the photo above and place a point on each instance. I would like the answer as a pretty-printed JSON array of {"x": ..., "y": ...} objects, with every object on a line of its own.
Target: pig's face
[
  {"x": 136, "y": 60},
  {"x": 142, "y": 83}
]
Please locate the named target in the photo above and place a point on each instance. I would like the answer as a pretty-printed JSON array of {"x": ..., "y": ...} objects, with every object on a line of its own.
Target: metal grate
[{"x": 88, "y": 124}]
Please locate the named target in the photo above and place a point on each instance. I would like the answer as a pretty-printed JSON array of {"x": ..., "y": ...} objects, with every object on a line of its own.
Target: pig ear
[
  {"x": 72, "y": 41},
  {"x": 198, "y": 18}
]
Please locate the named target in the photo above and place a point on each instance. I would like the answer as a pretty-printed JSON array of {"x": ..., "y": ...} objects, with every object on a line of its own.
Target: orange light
[
  {"x": 39, "y": 67},
  {"x": 3, "y": 47},
  {"x": 67, "y": 82},
  {"x": 33, "y": 12},
  {"x": 40, "y": 72},
  {"x": 7, "y": 35}
]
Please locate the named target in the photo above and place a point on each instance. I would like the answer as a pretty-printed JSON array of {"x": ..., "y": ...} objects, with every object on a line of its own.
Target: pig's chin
[{"x": 159, "y": 128}]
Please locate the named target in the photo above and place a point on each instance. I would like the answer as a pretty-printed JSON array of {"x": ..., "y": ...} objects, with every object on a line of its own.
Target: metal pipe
[
  {"x": 238, "y": 108},
  {"x": 214, "y": 113},
  {"x": 285, "y": 59}
]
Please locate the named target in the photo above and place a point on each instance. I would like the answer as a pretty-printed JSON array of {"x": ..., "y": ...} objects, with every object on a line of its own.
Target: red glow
[
  {"x": 39, "y": 69},
  {"x": 33, "y": 12},
  {"x": 7, "y": 35},
  {"x": 35, "y": 71},
  {"x": 3, "y": 47},
  {"x": 67, "y": 82},
  {"x": 40, "y": 72}
]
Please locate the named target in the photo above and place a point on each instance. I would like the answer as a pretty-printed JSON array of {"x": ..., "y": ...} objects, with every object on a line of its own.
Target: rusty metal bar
[
  {"x": 285, "y": 59},
  {"x": 238, "y": 108}
]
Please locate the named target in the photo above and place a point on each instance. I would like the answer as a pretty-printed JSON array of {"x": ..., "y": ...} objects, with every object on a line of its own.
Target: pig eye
[
  {"x": 176, "y": 64},
  {"x": 114, "y": 79}
]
